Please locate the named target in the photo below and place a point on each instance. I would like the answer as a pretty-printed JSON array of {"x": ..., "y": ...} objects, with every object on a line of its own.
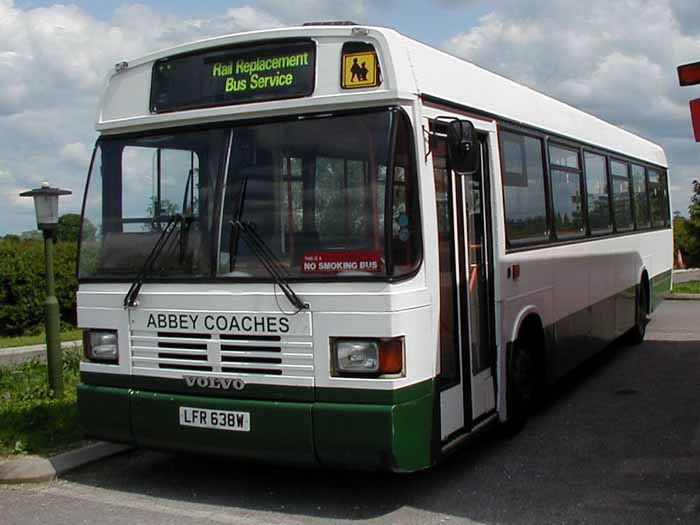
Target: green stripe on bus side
[
  {"x": 398, "y": 437},
  {"x": 257, "y": 391},
  {"x": 580, "y": 335}
]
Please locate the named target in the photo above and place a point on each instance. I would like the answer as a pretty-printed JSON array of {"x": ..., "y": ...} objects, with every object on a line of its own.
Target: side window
[
  {"x": 158, "y": 183},
  {"x": 405, "y": 214},
  {"x": 598, "y": 193},
  {"x": 292, "y": 194},
  {"x": 666, "y": 202},
  {"x": 92, "y": 228},
  {"x": 449, "y": 330},
  {"x": 524, "y": 189},
  {"x": 658, "y": 198},
  {"x": 622, "y": 205},
  {"x": 139, "y": 186},
  {"x": 330, "y": 199},
  {"x": 641, "y": 202},
  {"x": 565, "y": 174}
]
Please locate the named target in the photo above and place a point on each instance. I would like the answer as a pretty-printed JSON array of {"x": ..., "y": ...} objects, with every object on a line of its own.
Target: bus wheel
[
  {"x": 636, "y": 335},
  {"x": 523, "y": 385}
]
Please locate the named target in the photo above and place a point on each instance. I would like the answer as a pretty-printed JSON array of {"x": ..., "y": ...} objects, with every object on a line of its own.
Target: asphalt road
[{"x": 617, "y": 442}]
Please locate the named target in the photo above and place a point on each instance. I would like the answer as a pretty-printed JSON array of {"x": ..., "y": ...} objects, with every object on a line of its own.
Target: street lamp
[{"x": 46, "y": 207}]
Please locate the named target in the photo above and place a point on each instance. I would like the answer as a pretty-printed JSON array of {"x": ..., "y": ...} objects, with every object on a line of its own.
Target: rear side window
[
  {"x": 641, "y": 202},
  {"x": 598, "y": 194},
  {"x": 565, "y": 174},
  {"x": 622, "y": 204},
  {"x": 666, "y": 199},
  {"x": 658, "y": 198},
  {"x": 524, "y": 189}
]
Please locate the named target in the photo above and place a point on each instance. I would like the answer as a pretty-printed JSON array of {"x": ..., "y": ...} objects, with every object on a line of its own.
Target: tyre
[
  {"x": 636, "y": 335},
  {"x": 522, "y": 386}
]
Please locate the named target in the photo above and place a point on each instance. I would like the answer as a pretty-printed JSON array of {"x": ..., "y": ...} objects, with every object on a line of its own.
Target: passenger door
[{"x": 467, "y": 349}]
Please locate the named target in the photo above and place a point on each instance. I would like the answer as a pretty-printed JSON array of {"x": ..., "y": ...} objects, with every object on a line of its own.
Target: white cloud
[
  {"x": 247, "y": 18},
  {"x": 52, "y": 52},
  {"x": 614, "y": 59},
  {"x": 300, "y": 11},
  {"x": 22, "y": 217},
  {"x": 52, "y": 64},
  {"x": 76, "y": 152}
]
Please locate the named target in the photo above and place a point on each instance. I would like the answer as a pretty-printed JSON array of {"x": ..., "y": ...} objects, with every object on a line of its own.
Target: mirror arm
[{"x": 428, "y": 140}]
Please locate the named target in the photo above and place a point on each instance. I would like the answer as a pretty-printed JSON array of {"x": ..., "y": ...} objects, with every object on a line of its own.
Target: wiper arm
[
  {"x": 161, "y": 242},
  {"x": 185, "y": 225},
  {"x": 269, "y": 261}
]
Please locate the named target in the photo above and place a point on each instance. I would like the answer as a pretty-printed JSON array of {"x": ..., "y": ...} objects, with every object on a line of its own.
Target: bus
[{"x": 334, "y": 245}]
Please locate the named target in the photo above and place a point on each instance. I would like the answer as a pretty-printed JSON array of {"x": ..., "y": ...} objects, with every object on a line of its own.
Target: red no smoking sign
[{"x": 342, "y": 261}]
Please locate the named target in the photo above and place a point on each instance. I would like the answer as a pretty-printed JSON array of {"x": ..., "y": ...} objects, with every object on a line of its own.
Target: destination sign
[{"x": 235, "y": 75}]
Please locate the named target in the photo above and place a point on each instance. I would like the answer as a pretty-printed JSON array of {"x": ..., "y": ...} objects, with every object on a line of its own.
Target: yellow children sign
[{"x": 360, "y": 70}]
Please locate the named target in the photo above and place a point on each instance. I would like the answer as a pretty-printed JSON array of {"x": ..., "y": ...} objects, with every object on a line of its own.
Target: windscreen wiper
[
  {"x": 161, "y": 242},
  {"x": 268, "y": 259},
  {"x": 187, "y": 214}
]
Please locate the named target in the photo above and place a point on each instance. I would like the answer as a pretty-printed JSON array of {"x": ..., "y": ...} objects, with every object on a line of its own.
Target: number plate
[{"x": 219, "y": 419}]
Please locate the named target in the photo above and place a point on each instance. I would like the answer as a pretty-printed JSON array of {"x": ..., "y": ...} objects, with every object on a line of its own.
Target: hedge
[{"x": 23, "y": 284}]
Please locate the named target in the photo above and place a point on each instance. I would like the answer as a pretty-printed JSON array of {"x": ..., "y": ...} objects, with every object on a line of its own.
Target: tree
[
  {"x": 687, "y": 231},
  {"x": 69, "y": 228},
  {"x": 166, "y": 210},
  {"x": 31, "y": 235},
  {"x": 694, "y": 208},
  {"x": 11, "y": 237}
]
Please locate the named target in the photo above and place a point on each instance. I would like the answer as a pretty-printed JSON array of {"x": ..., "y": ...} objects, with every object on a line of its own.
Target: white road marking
[
  {"x": 670, "y": 336},
  {"x": 229, "y": 516},
  {"x": 114, "y": 498},
  {"x": 660, "y": 466},
  {"x": 643, "y": 501}
]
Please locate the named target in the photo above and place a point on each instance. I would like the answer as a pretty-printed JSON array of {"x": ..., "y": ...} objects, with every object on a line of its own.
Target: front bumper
[{"x": 396, "y": 436}]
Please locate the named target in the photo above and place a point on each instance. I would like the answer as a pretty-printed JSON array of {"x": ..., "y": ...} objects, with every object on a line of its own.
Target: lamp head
[{"x": 46, "y": 205}]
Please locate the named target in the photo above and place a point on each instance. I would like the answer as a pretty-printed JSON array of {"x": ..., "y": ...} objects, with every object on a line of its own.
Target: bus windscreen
[{"x": 234, "y": 75}]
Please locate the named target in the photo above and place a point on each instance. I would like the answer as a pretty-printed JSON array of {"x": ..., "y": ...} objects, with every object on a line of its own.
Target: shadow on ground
[{"x": 592, "y": 452}]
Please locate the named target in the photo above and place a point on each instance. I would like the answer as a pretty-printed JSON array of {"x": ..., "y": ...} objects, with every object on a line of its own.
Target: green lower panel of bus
[{"x": 371, "y": 436}]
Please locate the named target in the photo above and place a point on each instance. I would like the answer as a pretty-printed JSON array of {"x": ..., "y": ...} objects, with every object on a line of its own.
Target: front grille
[{"x": 239, "y": 355}]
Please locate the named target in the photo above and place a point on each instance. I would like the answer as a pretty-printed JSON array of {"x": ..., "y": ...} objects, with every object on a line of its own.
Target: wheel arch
[{"x": 529, "y": 312}]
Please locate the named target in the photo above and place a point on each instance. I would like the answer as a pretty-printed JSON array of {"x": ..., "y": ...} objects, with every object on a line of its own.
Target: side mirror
[{"x": 462, "y": 147}]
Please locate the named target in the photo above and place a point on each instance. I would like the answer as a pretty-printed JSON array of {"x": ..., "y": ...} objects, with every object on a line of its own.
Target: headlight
[
  {"x": 101, "y": 346},
  {"x": 357, "y": 356},
  {"x": 367, "y": 356}
]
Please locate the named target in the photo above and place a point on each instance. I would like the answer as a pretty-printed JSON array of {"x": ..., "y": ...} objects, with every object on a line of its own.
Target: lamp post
[{"x": 46, "y": 207}]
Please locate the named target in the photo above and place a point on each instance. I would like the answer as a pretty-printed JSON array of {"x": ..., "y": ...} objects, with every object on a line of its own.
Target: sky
[{"x": 615, "y": 59}]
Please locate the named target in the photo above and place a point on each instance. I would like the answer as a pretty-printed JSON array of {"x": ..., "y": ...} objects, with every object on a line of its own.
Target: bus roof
[{"x": 410, "y": 70}]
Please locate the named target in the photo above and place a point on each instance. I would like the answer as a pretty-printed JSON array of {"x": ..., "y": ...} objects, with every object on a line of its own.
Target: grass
[
  {"x": 688, "y": 287},
  {"x": 31, "y": 421},
  {"x": 40, "y": 338}
]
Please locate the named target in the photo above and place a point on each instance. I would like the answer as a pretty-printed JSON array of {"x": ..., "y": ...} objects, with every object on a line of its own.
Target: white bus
[{"x": 334, "y": 245}]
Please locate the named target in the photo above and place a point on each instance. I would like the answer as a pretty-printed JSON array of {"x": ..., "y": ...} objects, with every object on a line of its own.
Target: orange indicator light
[{"x": 391, "y": 356}]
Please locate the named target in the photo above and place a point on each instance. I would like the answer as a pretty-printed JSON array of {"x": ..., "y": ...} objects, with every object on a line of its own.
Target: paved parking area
[{"x": 617, "y": 442}]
